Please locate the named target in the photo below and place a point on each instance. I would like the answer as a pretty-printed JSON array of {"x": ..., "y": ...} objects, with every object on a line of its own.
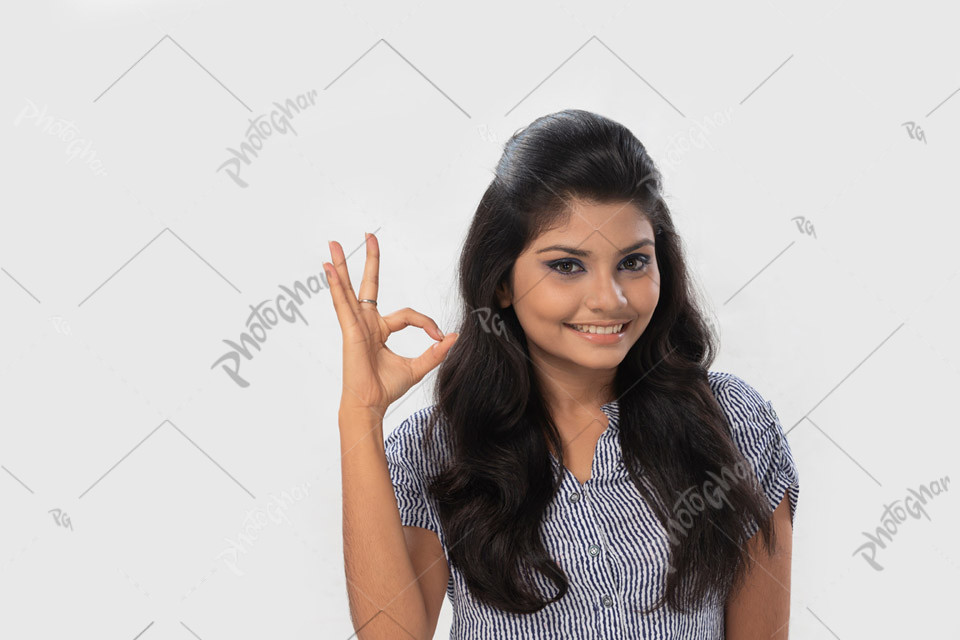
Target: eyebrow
[{"x": 586, "y": 254}]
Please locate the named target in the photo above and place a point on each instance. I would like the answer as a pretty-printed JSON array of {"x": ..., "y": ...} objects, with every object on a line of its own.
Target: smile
[{"x": 598, "y": 329}]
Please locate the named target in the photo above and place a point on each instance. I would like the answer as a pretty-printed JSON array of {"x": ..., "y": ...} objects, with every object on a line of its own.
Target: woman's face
[{"x": 599, "y": 268}]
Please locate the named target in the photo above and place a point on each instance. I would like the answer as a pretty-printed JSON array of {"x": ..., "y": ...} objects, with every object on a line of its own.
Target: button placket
[{"x": 606, "y": 599}]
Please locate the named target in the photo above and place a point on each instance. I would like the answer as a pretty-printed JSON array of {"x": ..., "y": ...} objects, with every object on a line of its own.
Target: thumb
[{"x": 433, "y": 356}]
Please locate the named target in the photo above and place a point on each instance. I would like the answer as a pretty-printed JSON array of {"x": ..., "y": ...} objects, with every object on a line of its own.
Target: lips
[{"x": 602, "y": 328}]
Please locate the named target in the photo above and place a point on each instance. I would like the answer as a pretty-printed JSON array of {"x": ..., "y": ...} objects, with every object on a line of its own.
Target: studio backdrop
[{"x": 170, "y": 359}]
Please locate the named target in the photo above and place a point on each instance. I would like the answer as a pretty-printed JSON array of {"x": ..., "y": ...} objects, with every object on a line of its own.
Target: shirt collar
[{"x": 612, "y": 411}]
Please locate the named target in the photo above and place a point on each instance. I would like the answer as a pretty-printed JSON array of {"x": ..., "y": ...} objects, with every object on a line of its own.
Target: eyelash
[{"x": 644, "y": 260}]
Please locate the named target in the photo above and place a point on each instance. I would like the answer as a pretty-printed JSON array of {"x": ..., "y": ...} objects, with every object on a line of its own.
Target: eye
[
  {"x": 643, "y": 259},
  {"x": 563, "y": 271},
  {"x": 565, "y": 267}
]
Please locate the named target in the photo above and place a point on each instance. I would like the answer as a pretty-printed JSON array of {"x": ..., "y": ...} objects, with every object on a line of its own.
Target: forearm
[{"x": 385, "y": 597}]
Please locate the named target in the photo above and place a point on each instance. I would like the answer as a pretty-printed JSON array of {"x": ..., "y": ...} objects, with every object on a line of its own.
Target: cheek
[
  {"x": 644, "y": 292},
  {"x": 551, "y": 302},
  {"x": 545, "y": 307},
  {"x": 652, "y": 292}
]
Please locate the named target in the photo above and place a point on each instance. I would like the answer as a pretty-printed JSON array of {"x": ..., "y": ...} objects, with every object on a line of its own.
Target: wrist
[
  {"x": 360, "y": 429},
  {"x": 350, "y": 415}
]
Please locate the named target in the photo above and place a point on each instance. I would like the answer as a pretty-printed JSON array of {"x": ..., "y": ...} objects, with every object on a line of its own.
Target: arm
[
  {"x": 760, "y": 610},
  {"x": 430, "y": 563},
  {"x": 386, "y": 600},
  {"x": 385, "y": 597}
]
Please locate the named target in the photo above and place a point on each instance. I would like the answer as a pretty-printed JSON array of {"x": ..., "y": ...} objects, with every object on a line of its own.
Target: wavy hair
[{"x": 493, "y": 492}]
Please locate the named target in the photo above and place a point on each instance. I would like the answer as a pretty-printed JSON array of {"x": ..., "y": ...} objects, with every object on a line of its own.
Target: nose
[{"x": 605, "y": 295}]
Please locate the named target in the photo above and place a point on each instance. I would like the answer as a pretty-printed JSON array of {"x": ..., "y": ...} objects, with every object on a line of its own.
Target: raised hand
[{"x": 373, "y": 376}]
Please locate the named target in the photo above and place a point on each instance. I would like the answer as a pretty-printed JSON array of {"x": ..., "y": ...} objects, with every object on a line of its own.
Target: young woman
[{"x": 582, "y": 473}]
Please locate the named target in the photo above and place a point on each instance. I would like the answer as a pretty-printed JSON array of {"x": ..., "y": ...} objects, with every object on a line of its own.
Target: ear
[{"x": 504, "y": 295}]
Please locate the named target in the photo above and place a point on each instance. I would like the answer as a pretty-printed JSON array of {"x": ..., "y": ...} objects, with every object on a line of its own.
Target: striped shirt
[{"x": 603, "y": 534}]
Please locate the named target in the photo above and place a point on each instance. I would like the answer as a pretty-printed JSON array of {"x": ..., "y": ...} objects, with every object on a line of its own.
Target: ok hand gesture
[{"x": 373, "y": 376}]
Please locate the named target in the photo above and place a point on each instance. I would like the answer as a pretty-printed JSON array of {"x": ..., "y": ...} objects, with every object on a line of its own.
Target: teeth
[{"x": 592, "y": 328}]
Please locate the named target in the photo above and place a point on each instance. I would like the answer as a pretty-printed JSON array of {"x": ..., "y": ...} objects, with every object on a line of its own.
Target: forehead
[{"x": 619, "y": 222}]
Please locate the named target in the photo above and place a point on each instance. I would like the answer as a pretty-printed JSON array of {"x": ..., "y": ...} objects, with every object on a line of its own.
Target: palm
[{"x": 377, "y": 374}]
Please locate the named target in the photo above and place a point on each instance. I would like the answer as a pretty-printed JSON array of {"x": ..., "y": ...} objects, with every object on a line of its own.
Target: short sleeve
[
  {"x": 408, "y": 463},
  {"x": 758, "y": 434}
]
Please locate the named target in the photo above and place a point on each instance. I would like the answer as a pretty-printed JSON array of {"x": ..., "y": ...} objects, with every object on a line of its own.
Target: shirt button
[
  {"x": 607, "y": 601},
  {"x": 594, "y": 550},
  {"x": 574, "y": 497}
]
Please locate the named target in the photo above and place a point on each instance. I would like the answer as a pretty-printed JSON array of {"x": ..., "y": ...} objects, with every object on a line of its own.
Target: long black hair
[{"x": 493, "y": 493}]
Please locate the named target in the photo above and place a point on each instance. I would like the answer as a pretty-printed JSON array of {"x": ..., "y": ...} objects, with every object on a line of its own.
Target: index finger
[{"x": 407, "y": 317}]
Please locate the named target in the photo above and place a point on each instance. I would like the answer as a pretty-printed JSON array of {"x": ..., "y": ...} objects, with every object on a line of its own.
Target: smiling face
[{"x": 598, "y": 268}]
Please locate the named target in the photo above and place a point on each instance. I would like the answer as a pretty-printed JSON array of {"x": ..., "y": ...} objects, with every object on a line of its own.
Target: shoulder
[
  {"x": 753, "y": 422},
  {"x": 413, "y": 426},
  {"x": 757, "y": 432},
  {"x": 736, "y": 396},
  {"x": 750, "y": 415},
  {"x": 413, "y": 459},
  {"x": 412, "y": 444}
]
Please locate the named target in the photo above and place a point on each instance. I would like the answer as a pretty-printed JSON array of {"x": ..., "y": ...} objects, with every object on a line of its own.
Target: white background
[{"x": 123, "y": 275}]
